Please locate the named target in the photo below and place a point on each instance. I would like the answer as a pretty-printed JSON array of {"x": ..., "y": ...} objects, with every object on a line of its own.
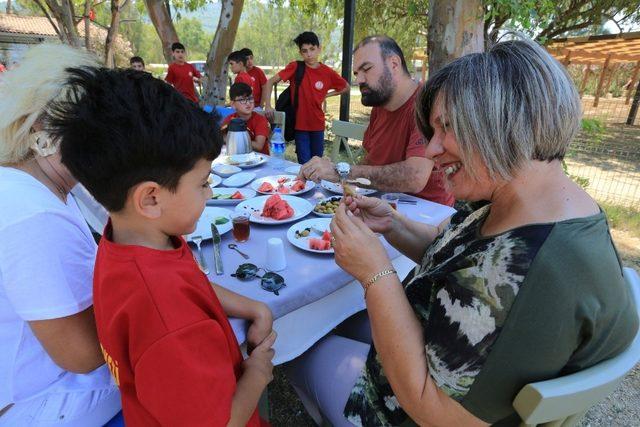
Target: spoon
[{"x": 235, "y": 248}]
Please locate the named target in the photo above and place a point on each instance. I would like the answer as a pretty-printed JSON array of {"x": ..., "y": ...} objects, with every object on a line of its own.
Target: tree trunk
[
  {"x": 215, "y": 83},
  {"x": 109, "y": 58},
  {"x": 87, "y": 24},
  {"x": 161, "y": 20},
  {"x": 9, "y": 8},
  {"x": 456, "y": 28},
  {"x": 63, "y": 14}
]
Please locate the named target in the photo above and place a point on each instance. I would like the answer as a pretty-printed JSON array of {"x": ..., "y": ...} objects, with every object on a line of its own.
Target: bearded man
[{"x": 395, "y": 150}]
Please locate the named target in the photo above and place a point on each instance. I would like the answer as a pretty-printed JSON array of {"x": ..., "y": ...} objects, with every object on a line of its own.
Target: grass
[{"x": 623, "y": 218}]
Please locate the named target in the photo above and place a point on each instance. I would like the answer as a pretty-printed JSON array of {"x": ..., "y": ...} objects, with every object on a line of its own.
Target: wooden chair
[
  {"x": 561, "y": 402},
  {"x": 343, "y": 131}
]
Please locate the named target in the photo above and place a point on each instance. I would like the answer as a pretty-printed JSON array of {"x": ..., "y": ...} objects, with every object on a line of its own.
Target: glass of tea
[
  {"x": 241, "y": 226},
  {"x": 392, "y": 199}
]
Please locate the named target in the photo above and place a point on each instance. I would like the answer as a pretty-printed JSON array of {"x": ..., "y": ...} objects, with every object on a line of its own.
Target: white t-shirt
[{"x": 47, "y": 256}]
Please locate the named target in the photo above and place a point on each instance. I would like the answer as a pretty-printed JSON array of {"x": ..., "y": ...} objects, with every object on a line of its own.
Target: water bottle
[{"x": 276, "y": 148}]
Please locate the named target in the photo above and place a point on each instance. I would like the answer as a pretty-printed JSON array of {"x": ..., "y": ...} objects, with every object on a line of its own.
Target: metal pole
[
  {"x": 634, "y": 106},
  {"x": 347, "y": 45}
]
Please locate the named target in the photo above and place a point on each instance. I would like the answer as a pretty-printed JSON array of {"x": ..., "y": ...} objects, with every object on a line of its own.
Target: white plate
[
  {"x": 337, "y": 188},
  {"x": 246, "y": 161},
  {"x": 225, "y": 171},
  {"x": 239, "y": 180},
  {"x": 293, "y": 170},
  {"x": 321, "y": 224},
  {"x": 324, "y": 215},
  {"x": 246, "y": 192},
  {"x": 203, "y": 228},
  {"x": 215, "y": 180},
  {"x": 273, "y": 180},
  {"x": 300, "y": 206}
]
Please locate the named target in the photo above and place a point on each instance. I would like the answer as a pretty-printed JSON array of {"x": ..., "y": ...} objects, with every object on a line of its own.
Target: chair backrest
[
  {"x": 278, "y": 118},
  {"x": 343, "y": 131},
  {"x": 562, "y": 401}
]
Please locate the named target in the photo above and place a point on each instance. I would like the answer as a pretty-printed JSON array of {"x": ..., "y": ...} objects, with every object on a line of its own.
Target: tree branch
[{"x": 46, "y": 13}]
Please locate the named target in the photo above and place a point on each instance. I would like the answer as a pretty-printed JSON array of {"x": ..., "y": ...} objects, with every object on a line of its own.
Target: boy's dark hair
[
  {"x": 388, "y": 47},
  {"x": 136, "y": 59},
  {"x": 239, "y": 89},
  {"x": 237, "y": 56},
  {"x": 119, "y": 128},
  {"x": 246, "y": 51},
  {"x": 308, "y": 37},
  {"x": 177, "y": 45}
]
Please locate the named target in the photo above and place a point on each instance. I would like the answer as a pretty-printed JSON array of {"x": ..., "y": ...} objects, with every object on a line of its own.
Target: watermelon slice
[
  {"x": 299, "y": 185},
  {"x": 277, "y": 208},
  {"x": 237, "y": 195},
  {"x": 319, "y": 244},
  {"x": 282, "y": 180},
  {"x": 326, "y": 236},
  {"x": 266, "y": 188},
  {"x": 283, "y": 190}
]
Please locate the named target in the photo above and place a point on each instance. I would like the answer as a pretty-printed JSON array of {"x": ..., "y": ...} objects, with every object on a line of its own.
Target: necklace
[{"x": 60, "y": 185}]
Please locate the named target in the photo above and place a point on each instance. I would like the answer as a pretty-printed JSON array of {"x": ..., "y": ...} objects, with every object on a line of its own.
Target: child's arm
[
  {"x": 257, "y": 374},
  {"x": 258, "y": 143},
  {"x": 236, "y": 305},
  {"x": 266, "y": 95},
  {"x": 337, "y": 92}
]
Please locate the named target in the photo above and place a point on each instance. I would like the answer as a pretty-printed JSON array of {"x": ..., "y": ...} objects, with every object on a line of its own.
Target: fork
[{"x": 203, "y": 265}]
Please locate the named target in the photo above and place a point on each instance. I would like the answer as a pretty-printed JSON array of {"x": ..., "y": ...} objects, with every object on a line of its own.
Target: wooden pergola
[{"x": 608, "y": 51}]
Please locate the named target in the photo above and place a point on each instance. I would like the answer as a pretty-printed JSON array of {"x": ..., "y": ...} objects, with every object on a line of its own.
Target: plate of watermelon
[
  {"x": 230, "y": 196},
  {"x": 282, "y": 184},
  {"x": 275, "y": 209},
  {"x": 312, "y": 235}
]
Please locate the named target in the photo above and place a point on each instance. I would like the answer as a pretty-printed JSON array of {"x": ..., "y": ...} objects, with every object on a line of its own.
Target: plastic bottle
[{"x": 276, "y": 148}]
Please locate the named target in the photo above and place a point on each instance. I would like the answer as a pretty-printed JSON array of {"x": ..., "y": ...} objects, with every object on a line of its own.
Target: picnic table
[{"x": 319, "y": 295}]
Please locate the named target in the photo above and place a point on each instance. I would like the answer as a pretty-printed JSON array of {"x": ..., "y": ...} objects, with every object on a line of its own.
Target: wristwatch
[{"x": 343, "y": 169}]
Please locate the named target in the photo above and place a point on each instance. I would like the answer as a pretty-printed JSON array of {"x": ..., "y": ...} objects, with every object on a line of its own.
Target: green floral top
[{"x": 486, "y": 302}]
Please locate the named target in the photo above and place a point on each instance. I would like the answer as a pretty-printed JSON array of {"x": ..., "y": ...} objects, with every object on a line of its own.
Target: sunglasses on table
[
  {"x": 245, "y": 101},
  {"x": 269, "y": 281}
]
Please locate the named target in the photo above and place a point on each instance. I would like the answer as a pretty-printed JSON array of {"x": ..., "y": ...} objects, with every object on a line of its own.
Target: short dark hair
[
  {"x": 177, "y": 45},
  {"x": 239, "y": 89},
  {"x": 246, "y": 51},
  {"x": 136, "y": 59},
  {"x": 119, "y": 128},
  {"x": 388, "y": 47},
  {"x": 237, "y": 56},
  {"x": 308, "y": 37}
]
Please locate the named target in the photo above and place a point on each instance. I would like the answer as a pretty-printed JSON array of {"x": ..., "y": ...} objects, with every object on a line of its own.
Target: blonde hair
[{"x": 28, "y": 90}]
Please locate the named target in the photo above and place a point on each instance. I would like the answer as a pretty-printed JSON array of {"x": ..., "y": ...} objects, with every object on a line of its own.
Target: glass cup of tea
[
  {"x": 241, "y": 227},
  {"x": 392, "y": 199}
]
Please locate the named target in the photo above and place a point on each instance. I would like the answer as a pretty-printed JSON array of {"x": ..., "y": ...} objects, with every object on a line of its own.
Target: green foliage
[
  {"x": 593, "y": 130},
  {"x": 622, "y": 217},
  {"x": 581, "y": 181},
  {"x": 194, "y": 37}
]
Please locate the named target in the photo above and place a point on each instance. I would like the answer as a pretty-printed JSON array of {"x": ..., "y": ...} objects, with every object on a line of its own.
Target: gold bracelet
[{"x": 375, "y": 278}]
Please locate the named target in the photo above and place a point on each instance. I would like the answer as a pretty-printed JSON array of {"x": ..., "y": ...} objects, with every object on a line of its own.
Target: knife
[{"x": 217, "y": 259}]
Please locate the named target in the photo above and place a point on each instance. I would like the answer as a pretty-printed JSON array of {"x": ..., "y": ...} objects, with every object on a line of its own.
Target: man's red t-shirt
[
  {"x": 181, "y": 77},
  {"x": 244, "y": 77},
  {"x": 313, "y": 90},
  {"x": 392, "y": 137},
  {"x": 257, "y": 125},
  {"x": 164, "y": 336},
  {"x": 259, "y": 79}
]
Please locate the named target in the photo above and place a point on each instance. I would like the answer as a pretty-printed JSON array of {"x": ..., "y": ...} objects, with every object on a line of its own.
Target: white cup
[{"x": 275, "y": 255}]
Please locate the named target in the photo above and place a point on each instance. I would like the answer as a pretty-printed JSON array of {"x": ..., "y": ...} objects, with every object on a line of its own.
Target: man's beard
[{"x": 376, "y": 97}]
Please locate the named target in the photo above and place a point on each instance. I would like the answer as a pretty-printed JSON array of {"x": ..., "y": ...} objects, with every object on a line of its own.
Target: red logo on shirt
[{"x": 319, "y": 85}]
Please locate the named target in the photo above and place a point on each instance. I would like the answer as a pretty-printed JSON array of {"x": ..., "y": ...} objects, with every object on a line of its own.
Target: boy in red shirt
[
  {"x": 181, "y": 74},
  {"x": 317, "y": 82},
  {"x": 238, "y": 64},
  {"x": 162, "y": 325},
  {"x": 257, "y": 75},
  {"x": 257, "y": 125}
]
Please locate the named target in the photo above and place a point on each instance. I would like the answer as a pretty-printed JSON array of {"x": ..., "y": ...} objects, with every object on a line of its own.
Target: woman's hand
[
  {"x": 261, "y": 326},
  {"x": 376, "y": 214},
  {"x": 357, "y": 250}
]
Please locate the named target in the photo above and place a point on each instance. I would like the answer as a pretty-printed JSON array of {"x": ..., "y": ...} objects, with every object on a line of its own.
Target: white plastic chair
[
  {"x": 343, "y": 131},
  {"x": 561, "y": 402}
]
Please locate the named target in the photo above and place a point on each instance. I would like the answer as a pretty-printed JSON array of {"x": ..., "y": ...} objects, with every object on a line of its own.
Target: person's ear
[
  {"x": 146, "y": 199},
  {"x": 394, "y": 63}
]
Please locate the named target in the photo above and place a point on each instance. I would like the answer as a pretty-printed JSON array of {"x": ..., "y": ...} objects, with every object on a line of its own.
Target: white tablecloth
[{"x": 319, "y": 294}]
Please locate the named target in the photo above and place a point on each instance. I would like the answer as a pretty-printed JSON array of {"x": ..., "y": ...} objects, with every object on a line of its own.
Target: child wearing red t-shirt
[
  {"x": 181, "y": 74},
  {"x": 316, "y": 86},
  {"x": 238, "y": 64},
  {"x": 258, "y": 126},
  {"x": 162, "y": 325},
  {"x": 257, "y": 75}
]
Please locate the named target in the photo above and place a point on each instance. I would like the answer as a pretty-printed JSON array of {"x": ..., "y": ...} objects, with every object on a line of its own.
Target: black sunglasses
[{"x": 270, "y": 281}]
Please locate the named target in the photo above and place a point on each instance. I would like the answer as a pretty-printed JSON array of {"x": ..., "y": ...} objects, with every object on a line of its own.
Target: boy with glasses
[{"x": 257, "y": 125}]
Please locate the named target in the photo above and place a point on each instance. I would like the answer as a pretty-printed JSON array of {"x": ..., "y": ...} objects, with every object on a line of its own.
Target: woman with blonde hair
[
  {"x": 526, "y": 288},
  {"x": 52, "y": 370}
]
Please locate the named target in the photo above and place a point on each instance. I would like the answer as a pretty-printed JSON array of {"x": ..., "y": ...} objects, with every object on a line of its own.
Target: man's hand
[
  {"x": 269, "y": 113},
  {"x": 317, "y": 169},
  {"x": 261, "y": 326}
]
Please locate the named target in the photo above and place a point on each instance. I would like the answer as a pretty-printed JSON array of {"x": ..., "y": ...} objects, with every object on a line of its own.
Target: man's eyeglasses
[
  {"x": 245, "y": 101},
  {"x": 270, "y": 281}
]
